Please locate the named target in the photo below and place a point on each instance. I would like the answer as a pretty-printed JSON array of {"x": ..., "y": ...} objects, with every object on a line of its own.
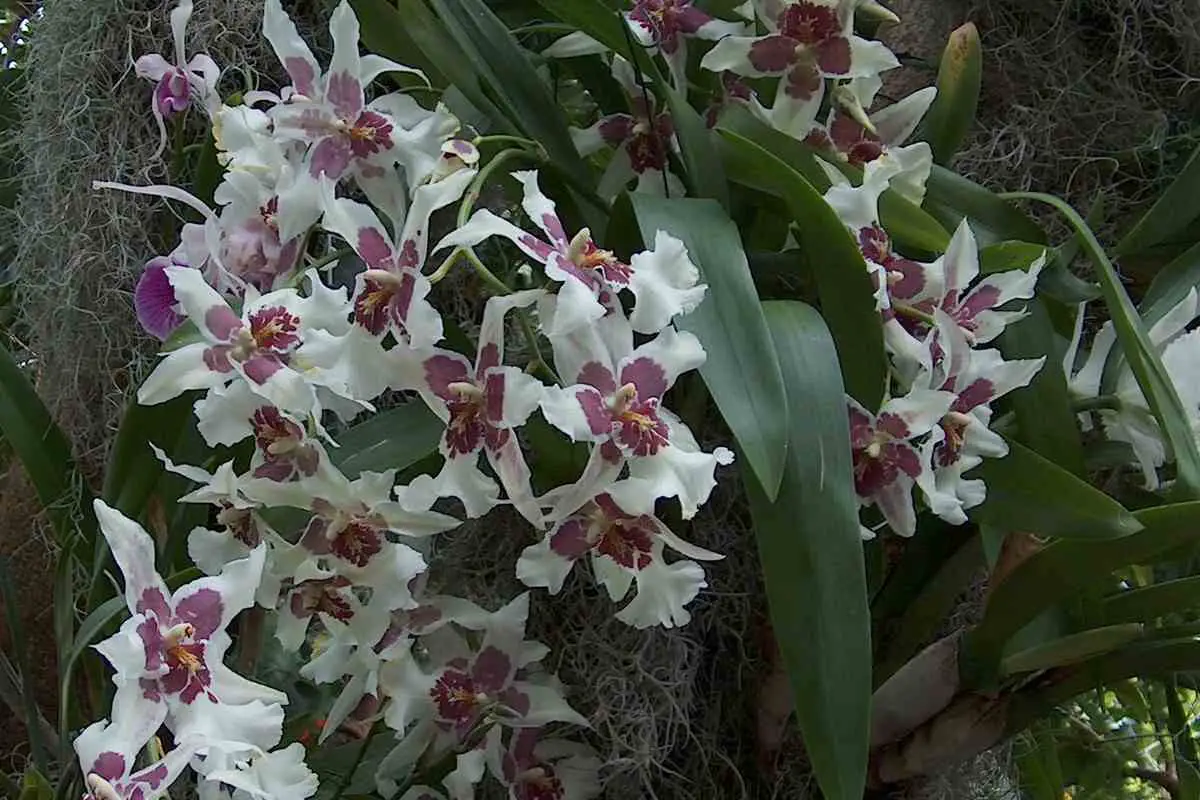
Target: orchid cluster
[{"x": 277, "y": 353}]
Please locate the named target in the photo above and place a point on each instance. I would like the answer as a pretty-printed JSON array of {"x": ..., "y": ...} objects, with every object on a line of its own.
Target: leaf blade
[{"x": 960, "y": 76}]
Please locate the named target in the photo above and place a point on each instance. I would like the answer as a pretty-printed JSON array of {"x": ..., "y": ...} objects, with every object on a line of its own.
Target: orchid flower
[
  {"x": 643, "y": 142},
  {"x": 666, "y": 25},
  {"x": 624, "y": 548},
  {"x": 537, "y": 768},
  {"x": 473, "y": 688},
  {"x": 663, "y": 282},
  {"x": 887, "y": 462},
  {"x": 154, "y": 299},
  {"x": 329, "y": 112},
  {"x": 1132, "y": 421},
  {"x": 179, "y": 82},
  {"x": 613, "y": 398},
  {"x": 808, "y": 41},
  {"x": 277, "y": 775},
  {"x": 107, "y": 753},
  {"x": 482, "y": 404},
  {"x": 962, "y": 438},
  {"x": 260, "y": 347},
  {"x": 844, "y": 133},
  {"x": 169, "y": 656}
]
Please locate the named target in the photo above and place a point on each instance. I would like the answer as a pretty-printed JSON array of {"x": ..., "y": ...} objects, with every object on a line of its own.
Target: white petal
[
  {"x": 133, "y": 550},
  {"x": 663, "y": 591},
  {"x": 238, "y": 729},
  {"x": 733, "y": 53},
  {"x": 664, "y": 283},
  {"x": 540, "y": 567},
  {"x": 281, "y": 32},
  {"x": 484, "y": 224},
  {"x": 212, "y": 550},
  {"x": 180, "y": 371},
  {"x": 897, "y": 122},
  {"x": 546, "y": 704},
  {"x": 920, "y": 409}
]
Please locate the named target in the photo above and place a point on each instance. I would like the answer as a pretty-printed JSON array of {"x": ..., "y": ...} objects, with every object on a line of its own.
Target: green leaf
[
  {"x": 1061, "y": 571},
  {"x": 89, "y": 631},
  {"x": 133, "y": 470},
  {"x": 1045, "y": 418},
  {"x": 1140, "y": 352},
  {"x": 45, "y": 454},
  {"x": 843, "y": 284},
  {"x": 592, "y": 17},
  {"x": 36, "y": 728},
  {"x": 960, "y": 197},
  {"x": 1026, "y": 492},
  {"x": 504, "y": 67},
  {"x": 396, "y": 34},
  {"x": 810, "y": 548},
  {"x": 1072, "y": 649},
  {"x": 705, "y": 175},
  {"x": 1171, "y": 285},
  {"x": 1171, "y": 212},
  {"x": 393, "y": 439},
  {"x": 959, "y": 79},
  {"x": 1182, "y": 741},
  {"x": 741, "y": 371},
  {"x": 1152, "y": 602},
  {"x": 34, "y": 785}
]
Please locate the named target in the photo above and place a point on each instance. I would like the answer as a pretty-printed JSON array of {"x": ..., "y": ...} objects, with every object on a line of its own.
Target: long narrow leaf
[
  {"x": 847, "y": 296},
  {"x": 45, "y": 454},
  {"x": 1152, "y": 602},
  {"x": 1140, "y": 352},
  {"x": 961, "y": 197},
  {"x": 960, "y": 76},
  {"x": 811, "y": 552},
  {"x": 392, "y": 439},
  {"x": 1171, "y": 212},
  {"x": 1171, "y": 284},
  {"x": 40, "y": 734},
  {"x": 741, "y": 371}
]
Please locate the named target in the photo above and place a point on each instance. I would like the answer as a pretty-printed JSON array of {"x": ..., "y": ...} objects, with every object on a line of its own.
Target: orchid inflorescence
[{"x": 276, "y": 349}]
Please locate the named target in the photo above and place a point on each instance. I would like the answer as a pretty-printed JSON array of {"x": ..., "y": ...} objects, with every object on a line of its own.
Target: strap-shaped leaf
[
  {"x": 1151, "y": 602},
  {"x": 812, "y": 560},
  {"x": 959, "y": 77},
  {"x": 525, "y": 99},
  {"x": 1171, "y": 284},
  {"x": 1072, "y": 649},
  {"x": 741, "y": 371},
  {"x": 393, "y": 439},
  {"x": 1174, "y": 209},
  {"x": 1139, "y": 351},
  {"x": 957, "y": 197},
  {"x": 45, "y": 454},
  {"x": 1063, "y": 569},
  {"x": 843, "y": 284}
]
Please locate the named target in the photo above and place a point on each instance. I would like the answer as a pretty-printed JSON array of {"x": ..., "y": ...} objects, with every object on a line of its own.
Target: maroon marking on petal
[
  {"x": 859, "y": 145},
  {"x": 409, "y": 257},
  {"x": 628, "y": 543},
  {"x": 154, "y": 775},
  {"x": 345, "y": 94},
  {"x": 773, "y": 54},
  {"x": 153, "y": 601},
  {"x": 330, "y": 157},
  {"x": 173, "y": 92},
  {"x": 610, "y": 452},
  {"x": 893, "y": 425},
  {"x": 639, "y": 429},
  {"x": 803, "y": 81},
  {"x": 833, "y": 56},
  {"x": 570, "y": 539},
  {"x": 809, "y": 23},
  {"x": 595, "y": 410},
  {"x": 372, "y": 306},
  {"x": 493, "y": 397},
  {"x": 979, "y": 392},
  {"x": 494, "y": 439},
  {"x": 357, "y": 543},
  {"x": 301, "y": 73},
  {"x": 150, "y": 690},
  {"x": 982, "y": 298},
  {"x": 616, "y": 128},
  {"x": 871, "y": 474},
  {"x": 646, "y": 152},
  {"x": 374, "y": 249},
  {"x": 315, "y": 537},
  {"x": 455, "y": 697},
  {"x": 259, "y": 369},
  {"x": 647, "y": 375},
  {"x": 689, "y": 18},
  {"x": 370, "y": 134},
  {"x": 912, "y": 282},
  {"x": 610, "y": 508},
  {"x": 444, "y": 369},
  {"x": 540, "y": 249},
  {"x": 488, "y": 357},
  {"x": 217, "y": 359},
  {"x": 516, "y": 700},
  {"x": 221, "y": 322},
  {"x": 152, "y": 642},
  {"x": 466, "y": 432},
  {"x": 401, "y": 302},
  {"x": 275, "y": 328},
  {"x": 278, "y": 471},
  {"x": 904, "y": 456},
  {"x": 154, "y": 300},
  {"x": 203, "y": 610},
  {"x": 553, "y": 226},
  {"x": 862, "y": 429},
  {"x": 491, "y": 669},
  {"x": 596, "y": 374},
  {"x": 109, "y": 765}
]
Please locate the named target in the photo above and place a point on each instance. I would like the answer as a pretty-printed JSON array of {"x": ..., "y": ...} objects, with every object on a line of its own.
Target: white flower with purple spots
[
  {"x": 807, "y": 42},
  {"x": 328, "y": 112},
  {"x": 887, "y": 460},
  {"x": 278, "y": 775},
  {"x": 107, "y": 753},
  {"x": 624, "y": 548},
  {"x": 666, "y": 25},
  {"x": 169, "y": 655},
  {"x": 613, "y": 398},
  {"x": 482, "y": 404},
  {"x": 590, "y": 276},
  {"x": 178, "y": 83},
  {"x": 260, "y": 347}
]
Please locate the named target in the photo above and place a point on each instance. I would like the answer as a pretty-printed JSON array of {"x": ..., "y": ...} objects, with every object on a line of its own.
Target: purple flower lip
[{"x": 154, "y": 300}]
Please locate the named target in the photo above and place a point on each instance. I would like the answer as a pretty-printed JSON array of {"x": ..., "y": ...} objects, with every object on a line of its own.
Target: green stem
[
  {"x": 486, "y": 274},
  {"x": 520, "y": 141},
  {"x": 1104, "y": 402},
  {"x": 336, "y": 255},
  {"x": 538, "y": 366},
  {"x": 912, "y": 312},
  {"x": 358, "y": 759}
]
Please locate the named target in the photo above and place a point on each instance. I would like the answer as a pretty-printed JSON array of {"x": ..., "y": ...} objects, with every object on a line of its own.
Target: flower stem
[
  {"x": 358, "y": 759},
  {"x": 538, "y": 365},
  {"x": 1103, "y": 402},
  {"x": 912, "y": 312},
  {"x": 486, "y": 274}
]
